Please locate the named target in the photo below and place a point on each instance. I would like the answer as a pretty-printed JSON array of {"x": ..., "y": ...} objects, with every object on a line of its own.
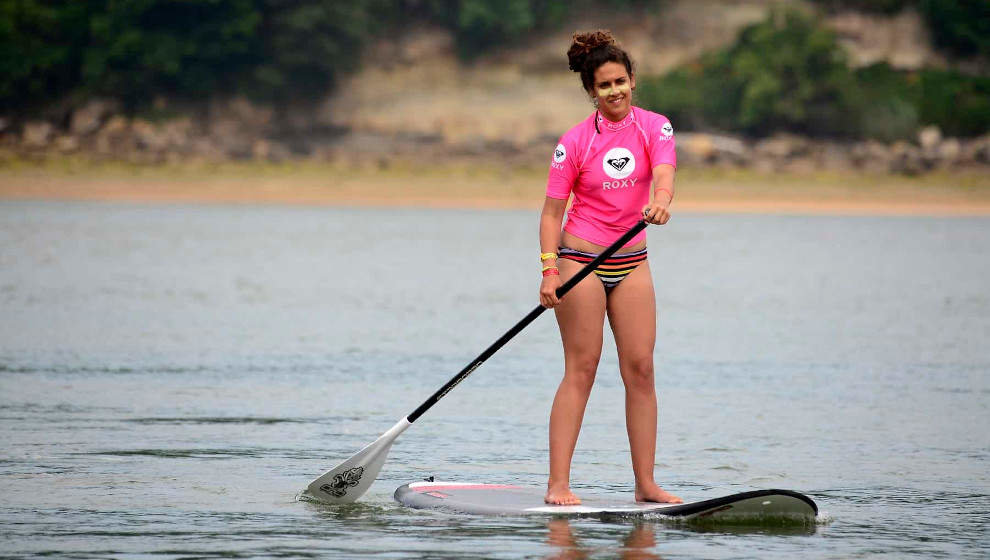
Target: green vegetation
[
  {"x": 892, "y": 104},
  {"x": 135, "y": 49},
  {"x": 39, "y": 49},
  {"x": 960, "y": 26},
  {"x": 788, "y": 74},
  {"x": 785, "y": 73},
  {"x": 480, "y": 25},
  {"x": 273, "y": 50}
]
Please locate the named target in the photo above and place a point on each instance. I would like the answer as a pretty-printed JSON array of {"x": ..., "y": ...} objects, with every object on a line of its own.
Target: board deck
[{"x": 508, "y": 499}]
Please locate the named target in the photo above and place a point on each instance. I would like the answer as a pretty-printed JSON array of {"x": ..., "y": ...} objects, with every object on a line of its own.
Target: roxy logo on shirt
[
  {"x": 618, "y": 163},
  {"x": 559, "y": 155}
]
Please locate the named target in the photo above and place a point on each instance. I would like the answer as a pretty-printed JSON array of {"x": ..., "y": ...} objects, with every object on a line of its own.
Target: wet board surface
[{"x": 508, "y": 499}]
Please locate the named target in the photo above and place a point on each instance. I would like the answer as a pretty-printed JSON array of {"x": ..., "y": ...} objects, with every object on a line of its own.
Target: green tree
[
  {"x": 959, "y": 104},
  {"x": 960, "y": 26},
  {"x": 180, "y": 48},
  {"x": 40, "y": 50},
  {"x": 792, "y": 75},
  {"x": 785, "y": 73},
  {"x": 480, "y": 25},
  {"x": 886, "y": 102},
  {"x": 306, "y": 44}
]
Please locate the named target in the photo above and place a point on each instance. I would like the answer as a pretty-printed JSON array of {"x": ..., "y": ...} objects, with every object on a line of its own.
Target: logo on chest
[{"x": 618, "y": 163}]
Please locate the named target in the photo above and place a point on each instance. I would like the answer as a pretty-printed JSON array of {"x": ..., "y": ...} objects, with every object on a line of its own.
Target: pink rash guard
[{"x": 609, "y": 169}]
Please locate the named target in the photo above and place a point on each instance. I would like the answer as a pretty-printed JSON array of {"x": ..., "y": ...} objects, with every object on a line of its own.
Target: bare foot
[
  {"x": 561, "y": 496},
  {"x": 653, "y": 493}
]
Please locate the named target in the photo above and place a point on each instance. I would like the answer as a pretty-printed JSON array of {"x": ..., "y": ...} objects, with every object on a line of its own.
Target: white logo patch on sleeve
[
  {"x": 559, "y": 153},
  {"x": 618, "y": 163},
  {"x": 667, "y": 130}
]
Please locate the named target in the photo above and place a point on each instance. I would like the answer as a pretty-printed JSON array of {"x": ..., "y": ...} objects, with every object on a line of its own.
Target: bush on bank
[
  {"x": 789, "y": 74},
  {"x": 135, "y": 50}
]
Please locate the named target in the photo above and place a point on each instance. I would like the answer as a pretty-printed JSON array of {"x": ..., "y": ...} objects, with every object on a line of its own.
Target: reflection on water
[
  {"x": 636, "y": 538},
  {"x": 638, "y": 543}
]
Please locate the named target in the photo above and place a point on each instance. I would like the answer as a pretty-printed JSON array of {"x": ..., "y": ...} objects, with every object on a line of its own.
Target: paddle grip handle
[{"x": 524, "y": 322}]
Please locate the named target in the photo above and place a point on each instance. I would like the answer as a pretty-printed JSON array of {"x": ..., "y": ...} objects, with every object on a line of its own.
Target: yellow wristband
[
  {"x": 546, "y": 256},
  {"x": 546, "y": 268}
]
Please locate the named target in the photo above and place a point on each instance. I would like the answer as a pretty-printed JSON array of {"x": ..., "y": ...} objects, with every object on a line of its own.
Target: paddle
[{"x": 349, "y": 480}]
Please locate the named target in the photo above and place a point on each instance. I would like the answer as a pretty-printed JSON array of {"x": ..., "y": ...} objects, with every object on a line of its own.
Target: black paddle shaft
[{"x": 563, "y": 289}]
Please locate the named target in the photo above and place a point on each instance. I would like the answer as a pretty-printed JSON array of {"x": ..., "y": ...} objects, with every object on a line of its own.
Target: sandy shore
[{"x": 468, "y": 186}]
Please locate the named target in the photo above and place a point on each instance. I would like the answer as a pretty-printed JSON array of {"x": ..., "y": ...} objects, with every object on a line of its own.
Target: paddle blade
[{"x": 349, "y": 480}]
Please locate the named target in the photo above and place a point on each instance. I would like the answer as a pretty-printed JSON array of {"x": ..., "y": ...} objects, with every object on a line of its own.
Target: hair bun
[{"x": 583, "y": 44}]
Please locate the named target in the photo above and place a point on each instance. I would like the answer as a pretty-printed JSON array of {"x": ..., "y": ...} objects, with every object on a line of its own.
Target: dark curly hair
[{"x": 592, "y": 49}]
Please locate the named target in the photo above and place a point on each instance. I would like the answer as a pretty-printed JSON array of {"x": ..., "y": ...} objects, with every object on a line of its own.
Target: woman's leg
[
  {"x": 581, "y": 318},
  {"x": 632, "y": 316}
]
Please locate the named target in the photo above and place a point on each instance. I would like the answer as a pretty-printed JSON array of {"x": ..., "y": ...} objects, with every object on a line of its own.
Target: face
[{"x": 613, "y": 89}]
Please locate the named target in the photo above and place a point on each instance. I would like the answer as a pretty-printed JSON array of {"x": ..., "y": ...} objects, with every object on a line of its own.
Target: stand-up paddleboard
[{"x": 508, "y": 499}]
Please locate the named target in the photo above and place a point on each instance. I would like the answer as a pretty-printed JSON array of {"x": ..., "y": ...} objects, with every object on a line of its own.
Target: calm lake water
[{"x": 171, "y": 377}]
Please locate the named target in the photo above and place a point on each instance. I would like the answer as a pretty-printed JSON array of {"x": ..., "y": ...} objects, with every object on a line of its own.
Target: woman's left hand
[{"x": 656, "y": 212}]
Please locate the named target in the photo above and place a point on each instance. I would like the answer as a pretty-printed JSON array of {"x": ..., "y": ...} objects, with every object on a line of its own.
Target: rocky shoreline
[
  {"x": 797, "y": 154},
  {"x": 239, "y": 130}
]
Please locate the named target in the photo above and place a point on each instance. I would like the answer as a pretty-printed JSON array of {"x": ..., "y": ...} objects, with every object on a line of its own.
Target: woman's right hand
[{"x": 548, "y": 291}]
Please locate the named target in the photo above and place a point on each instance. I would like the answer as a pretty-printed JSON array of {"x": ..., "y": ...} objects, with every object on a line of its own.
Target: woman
[{"x": 619, "y": 165}]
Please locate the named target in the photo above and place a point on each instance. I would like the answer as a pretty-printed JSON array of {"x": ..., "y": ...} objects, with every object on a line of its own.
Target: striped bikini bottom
[{"x": 612, "y": 270}]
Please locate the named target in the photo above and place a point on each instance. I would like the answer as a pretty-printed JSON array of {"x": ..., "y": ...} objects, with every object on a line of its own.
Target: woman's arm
[
  {"x": 550, "y": 220},
  {"x": 661, "y": 195}
]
